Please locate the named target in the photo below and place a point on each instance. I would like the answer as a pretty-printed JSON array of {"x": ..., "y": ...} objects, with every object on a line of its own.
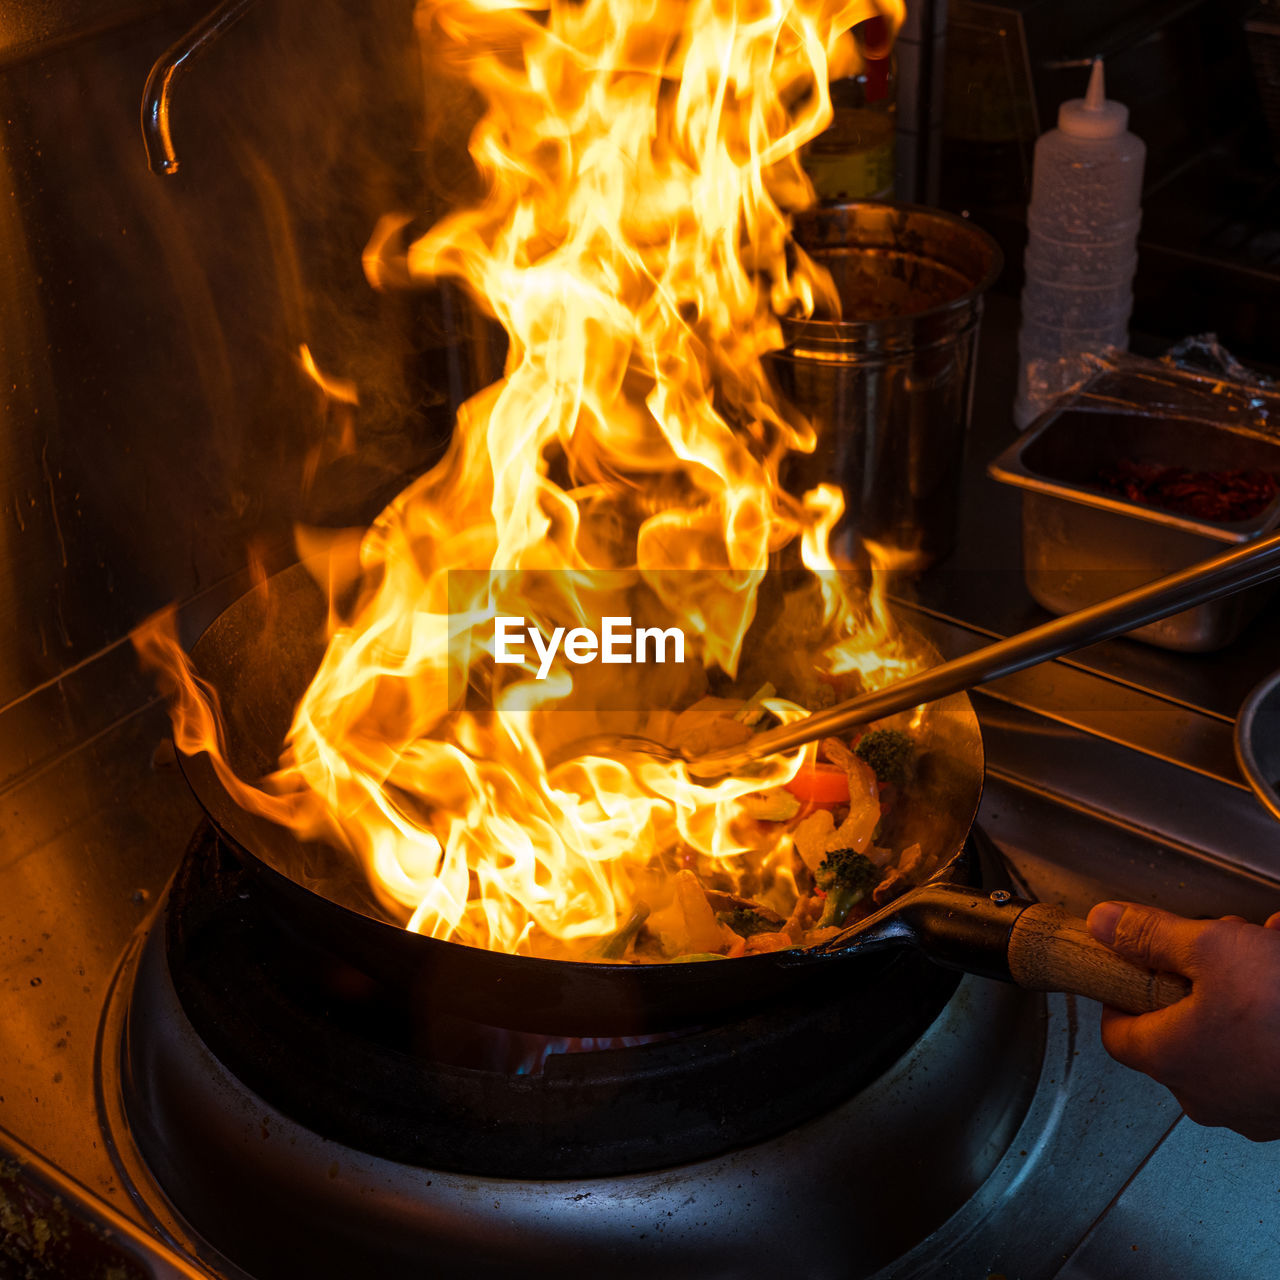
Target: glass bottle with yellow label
[{"x": 854, "y": 158}]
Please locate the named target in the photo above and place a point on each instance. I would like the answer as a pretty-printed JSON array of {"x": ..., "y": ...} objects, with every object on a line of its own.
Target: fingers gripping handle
[{"x": 1050, "y": 950}]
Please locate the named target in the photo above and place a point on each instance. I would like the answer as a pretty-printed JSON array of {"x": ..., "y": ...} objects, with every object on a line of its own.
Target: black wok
[{"x": 260, "y": 654}]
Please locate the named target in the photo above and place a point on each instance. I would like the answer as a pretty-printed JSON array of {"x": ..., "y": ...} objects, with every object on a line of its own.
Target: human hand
[{"x": 1217, "y": 1050}]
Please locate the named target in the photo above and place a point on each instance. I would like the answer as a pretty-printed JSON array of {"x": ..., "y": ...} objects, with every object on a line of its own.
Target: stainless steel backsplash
[{"x": 155, "y": 421}]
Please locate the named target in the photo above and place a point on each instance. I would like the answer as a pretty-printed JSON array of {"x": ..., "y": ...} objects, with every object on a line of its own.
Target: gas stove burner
[
  {"x": 271, "y": 1107},
  {"x": 382, "y": 1071}
]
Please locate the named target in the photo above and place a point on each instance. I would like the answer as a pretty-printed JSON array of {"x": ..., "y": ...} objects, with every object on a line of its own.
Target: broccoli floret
[
  {"x": 846, "y": 878},
  {"x": 745, "y": 922},
  {"x": 889, "y": 753}
]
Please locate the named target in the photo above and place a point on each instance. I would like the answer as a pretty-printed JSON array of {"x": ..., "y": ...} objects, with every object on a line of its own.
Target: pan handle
[{"x": 1050, "y": 950}]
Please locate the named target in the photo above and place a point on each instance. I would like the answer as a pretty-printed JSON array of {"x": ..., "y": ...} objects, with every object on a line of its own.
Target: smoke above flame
[{"x": 640, "y": 161}]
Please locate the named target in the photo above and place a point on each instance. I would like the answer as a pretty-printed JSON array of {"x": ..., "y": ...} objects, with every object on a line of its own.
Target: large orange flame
[{"x": 640, "y": 160}]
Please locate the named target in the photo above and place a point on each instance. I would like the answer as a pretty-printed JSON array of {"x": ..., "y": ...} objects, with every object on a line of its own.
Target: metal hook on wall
[{"x": 157, "y": 94}]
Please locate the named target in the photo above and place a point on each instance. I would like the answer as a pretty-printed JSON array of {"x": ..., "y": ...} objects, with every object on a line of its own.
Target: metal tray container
[{"x": 1081, "y": 545}]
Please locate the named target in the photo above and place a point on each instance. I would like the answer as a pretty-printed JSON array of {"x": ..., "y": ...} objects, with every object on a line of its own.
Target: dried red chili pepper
[{"x": 1223, "y": 497}]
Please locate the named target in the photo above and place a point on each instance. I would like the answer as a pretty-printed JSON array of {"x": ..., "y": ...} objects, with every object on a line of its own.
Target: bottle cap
[
  {"x": 875, "y": 43},
  {"x": 1095, "y": 115}
]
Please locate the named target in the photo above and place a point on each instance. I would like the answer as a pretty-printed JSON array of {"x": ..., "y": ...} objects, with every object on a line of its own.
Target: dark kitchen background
[
  {"x": 157, "y": 422},
  {"x": 160, "y": 440}
]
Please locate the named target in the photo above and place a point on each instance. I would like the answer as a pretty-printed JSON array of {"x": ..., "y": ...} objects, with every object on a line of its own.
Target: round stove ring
[
  {"x": 861, "y": 1183},
  {"x": 381, "y": 1071}
]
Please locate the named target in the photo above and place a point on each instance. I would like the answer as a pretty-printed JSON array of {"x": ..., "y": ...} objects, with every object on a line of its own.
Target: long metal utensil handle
[{"x": 1218, "y": 576}]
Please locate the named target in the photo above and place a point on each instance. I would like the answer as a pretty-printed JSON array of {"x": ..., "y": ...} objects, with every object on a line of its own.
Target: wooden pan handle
[{"x": 1050, "y": 950}]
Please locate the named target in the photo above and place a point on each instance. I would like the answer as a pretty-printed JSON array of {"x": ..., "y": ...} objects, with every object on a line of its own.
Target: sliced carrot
[{"x": 820, "y": 784}]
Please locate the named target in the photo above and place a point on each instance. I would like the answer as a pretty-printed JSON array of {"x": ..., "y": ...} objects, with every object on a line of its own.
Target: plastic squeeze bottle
[{"x": 1082, "y": 247}]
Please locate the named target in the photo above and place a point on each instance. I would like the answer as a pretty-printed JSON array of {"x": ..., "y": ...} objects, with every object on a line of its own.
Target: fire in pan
[{"x": 260, "y": 654}]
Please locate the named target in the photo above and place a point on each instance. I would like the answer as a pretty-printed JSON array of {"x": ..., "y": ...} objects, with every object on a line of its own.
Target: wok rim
[{"x": 236, "y": 826}]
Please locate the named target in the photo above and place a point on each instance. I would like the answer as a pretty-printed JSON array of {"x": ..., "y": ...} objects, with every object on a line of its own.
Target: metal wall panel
[{"x": 155, "y": 423}]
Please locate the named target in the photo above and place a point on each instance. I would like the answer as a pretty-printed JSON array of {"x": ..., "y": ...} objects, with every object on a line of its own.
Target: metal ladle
[{"x": 1221, "y": 575}]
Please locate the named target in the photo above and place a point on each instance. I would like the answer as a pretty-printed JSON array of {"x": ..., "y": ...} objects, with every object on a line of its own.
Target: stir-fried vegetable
[
  {"x": 614, "y": 947},
  {"x": 747, "y": 921},
  {"x": 889, "y": 752},
  {"x": 778, "y": 804},
  {"x": 846, "y": 877},
  {"x": 820, "y": 784},
  {"x": 688, "y": 924},
  {"x": 825, "y": 857},
  {"x": 753, "y": 709}
]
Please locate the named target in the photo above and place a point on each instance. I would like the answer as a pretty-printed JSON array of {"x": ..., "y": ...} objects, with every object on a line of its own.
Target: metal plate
[{"x": 1258, "y": 741}]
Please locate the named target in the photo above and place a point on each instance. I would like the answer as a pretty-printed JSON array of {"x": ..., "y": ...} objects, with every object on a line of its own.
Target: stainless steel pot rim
[
  {"x": 883, "y": 212},
  {"x": 833, "y": 348},
  {"x": 1259, "y": 716}
]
